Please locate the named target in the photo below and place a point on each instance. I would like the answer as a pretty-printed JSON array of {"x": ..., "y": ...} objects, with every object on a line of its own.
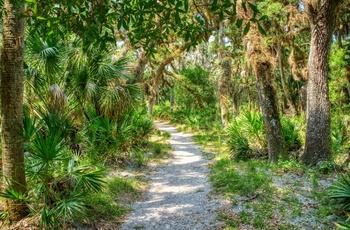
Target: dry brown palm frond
[{"x": 57, "y": 99}]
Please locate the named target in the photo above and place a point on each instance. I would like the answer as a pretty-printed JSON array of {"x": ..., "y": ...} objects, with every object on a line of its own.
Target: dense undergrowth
[
  {"x": 288, "y": 195},
  {"x": 70, "y": 188},
  {"x": 79, "y": 130}
]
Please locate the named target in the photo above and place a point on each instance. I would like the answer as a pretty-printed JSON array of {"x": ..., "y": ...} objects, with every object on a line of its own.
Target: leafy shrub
[
  {"x": 246, "y": 135},
  {"x": 339, "y": 137},
  {"x": 163, "y": 111},
  {"x": 290, "y": 133},
  {"x": 142, "y": 126},
  {"x": 58, "y": 181},
  {"x": 340, "y": 191},
  {"x": 252, "y": 125},
  {"x": 238, "y": 144}
]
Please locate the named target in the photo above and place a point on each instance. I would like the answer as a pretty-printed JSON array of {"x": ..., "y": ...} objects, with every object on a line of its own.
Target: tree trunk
[
  {"x": 150, "y": 106},
  {"x": 172, "y": 97},
  {"x": 236, "y": 104},
  {"x": 318, "y": 135},
  {"x": 140, "y": 67},
  {"x": 283, "y": 81},
  {"x": 224, "y": 86},
  {"x": 273, "y": 128},
  {"x": 157, "y": 76},
  {"x": 11, "y": 105}
]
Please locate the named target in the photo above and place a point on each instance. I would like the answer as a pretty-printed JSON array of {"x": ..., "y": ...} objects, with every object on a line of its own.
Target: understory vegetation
[
  {"x": 261, "y": 195},
  {"x": 264, "y": 86},
  {"x": 78, "y": 133}
]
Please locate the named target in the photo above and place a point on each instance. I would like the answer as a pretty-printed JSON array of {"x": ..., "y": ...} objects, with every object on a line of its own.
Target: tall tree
[
  {"x": 322, "y": 14},
  {"x": 12, "y": 54},
  {"x": 261, "y": 58},
  {"x": 224, "y": 87}
]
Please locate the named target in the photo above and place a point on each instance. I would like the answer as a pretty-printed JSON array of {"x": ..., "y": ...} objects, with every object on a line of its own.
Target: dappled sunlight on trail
[{"x": 179, "y": 194}]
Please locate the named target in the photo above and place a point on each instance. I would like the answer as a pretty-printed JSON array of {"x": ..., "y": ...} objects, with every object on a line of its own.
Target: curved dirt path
[{"x": 179, "y": 195}]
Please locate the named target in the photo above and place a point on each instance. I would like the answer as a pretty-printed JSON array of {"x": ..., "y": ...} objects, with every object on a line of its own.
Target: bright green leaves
[
  {"x": 261, "y": 30},
  {"x": 150, "y": 22},
  {"x": 146, "y": 23},
  {"x": 253, "y": 7},
  {"x": 255, "y": 10},
  {"x": 246, "y": 28},
  {"x": 239, "y": 23},
  {"x": 91, "y": 21},
  {"x": 224, "y": 9}
]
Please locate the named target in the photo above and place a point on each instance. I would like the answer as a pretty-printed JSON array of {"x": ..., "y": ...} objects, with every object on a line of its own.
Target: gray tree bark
[
  {"x": 273, "y": 128},
  {"x": 322, "y": 15},
  {"x": 224, "y": 86}
]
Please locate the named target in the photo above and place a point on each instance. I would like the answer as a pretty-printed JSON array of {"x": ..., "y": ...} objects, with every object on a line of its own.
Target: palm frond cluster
[
  {"x": 246, "y": 135},
  {"x": 80, "y": 113}
]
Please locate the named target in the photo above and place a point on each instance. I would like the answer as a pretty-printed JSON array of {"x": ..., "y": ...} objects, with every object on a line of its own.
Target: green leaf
[
  {"x": 263, "y": 17},
  {"x": 186, "y": 5},
  {"x": 177, "y": 18},
  {"x": 68, "y": 208},
  {"x": 221, "y": 15},
  {"x": 261, "y": 30},
  {"x": 239, "y": 23},
  {"x": 41, "y": 18},
  {"x": 244, "y": 5},
  {"x": 35, "y": 9},
  {"x": 214, "y": 6},
  {"x": 253, "y": 7},
  {"x": 88, "y": 178},
  {"x": 13, "y": 194},
  {"x": 246, "y": 28},
  {"x": 119, "y": 24}
]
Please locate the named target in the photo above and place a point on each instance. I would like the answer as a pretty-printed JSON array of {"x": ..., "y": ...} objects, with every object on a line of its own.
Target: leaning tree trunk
[
  {"x": 11, "y": 105},
  {"x": 157, "y": 76},
  {"x": 318, "y": 136},
  {"x": 273, "y": 128}
]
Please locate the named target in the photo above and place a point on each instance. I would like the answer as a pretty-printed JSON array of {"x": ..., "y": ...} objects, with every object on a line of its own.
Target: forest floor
[
  {"x": 287, "y": 195},
  {"x": 201, "y": 187},
  {"x": 180, "y": 195},
  {"x": 249, "y": 195}
]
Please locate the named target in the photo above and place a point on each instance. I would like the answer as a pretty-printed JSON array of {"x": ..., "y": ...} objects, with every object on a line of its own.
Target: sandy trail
[{"x": 179, "y": 195}]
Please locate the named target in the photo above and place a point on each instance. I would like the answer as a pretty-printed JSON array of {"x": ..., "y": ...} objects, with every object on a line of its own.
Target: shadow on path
[{"x": 179, "y": 191}]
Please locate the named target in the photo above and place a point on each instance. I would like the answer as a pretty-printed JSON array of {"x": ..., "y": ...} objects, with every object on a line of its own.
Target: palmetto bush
[
  {"x": 340, "y": 192},
  {"x": 291, "y": 135},
  {"x": 57, "y": 179},
  {"x": 111, "y": 139},
  {"x": 252, "y": 125},
  {"x": 246, "y": 135},
  {"x": 238, "y": 144},
  {"x": 75, "y": 97},
  {"x": 141, "y": 124},
  {"x": 339, "y": 137}
]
